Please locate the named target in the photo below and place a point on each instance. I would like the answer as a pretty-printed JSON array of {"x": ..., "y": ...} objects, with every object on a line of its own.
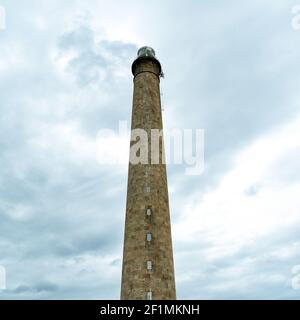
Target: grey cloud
[
  {"x": 52, "y": 208},
  {"x": 262, "y": 272},
  {"x": 230, "y": 69},
  {"x": 95, "y": 62},
  {"x": 240, "y": 83},
  {"x": 252, "y": 190},
  {"x": 40, "y": 287}
]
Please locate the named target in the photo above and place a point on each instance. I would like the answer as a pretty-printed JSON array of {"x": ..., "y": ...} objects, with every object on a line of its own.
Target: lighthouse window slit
[
  {"x": 149, "y": 265},
  {"x": 149, "y": 236},
  {"x": 149, "y": 212},
  {"x": 149, "y": 295}
]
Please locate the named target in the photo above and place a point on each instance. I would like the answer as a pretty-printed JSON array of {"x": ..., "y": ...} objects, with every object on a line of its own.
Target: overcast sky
[{"x": 231, "y": 68}]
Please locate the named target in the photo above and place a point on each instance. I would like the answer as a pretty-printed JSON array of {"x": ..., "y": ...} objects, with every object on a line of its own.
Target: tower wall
[{"x": 147, "y": 193}]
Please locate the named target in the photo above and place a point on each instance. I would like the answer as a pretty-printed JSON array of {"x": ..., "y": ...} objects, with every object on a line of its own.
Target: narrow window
[
  {"x": 149, "y": 265},
  {"x": 149, "y": 295},
  {"x": 148, "y": 189},
  {"x": 149, "y": 212},
  {"x": 147, "y": 171},
  {"x": 149, "y": 236}
]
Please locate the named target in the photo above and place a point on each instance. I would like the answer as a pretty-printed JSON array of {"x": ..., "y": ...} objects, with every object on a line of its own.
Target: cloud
[
  {"x": 65, "y": 74},
  {"x": 40, "y": 287},
  {"x": 91, "y": 61},
  {"x": 55, "y": 211},
  {"x": 250, "y": 240}
]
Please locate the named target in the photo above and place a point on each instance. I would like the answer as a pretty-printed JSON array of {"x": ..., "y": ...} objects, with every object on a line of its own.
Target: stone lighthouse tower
[{"x": 148, "y": 270}]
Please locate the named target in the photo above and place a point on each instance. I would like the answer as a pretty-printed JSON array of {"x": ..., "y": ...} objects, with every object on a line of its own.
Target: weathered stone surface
[{"x": 136, "y": 279}]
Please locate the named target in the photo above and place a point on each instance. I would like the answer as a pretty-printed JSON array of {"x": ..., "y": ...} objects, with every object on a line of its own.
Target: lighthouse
[{"x": 148, "y": 267}]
